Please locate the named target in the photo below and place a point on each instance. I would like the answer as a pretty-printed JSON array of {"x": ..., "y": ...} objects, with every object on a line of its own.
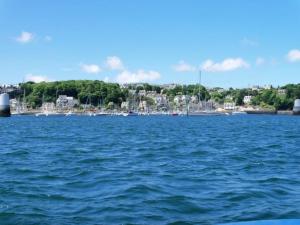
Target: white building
[
  {"x": 14, "y": 103},
  {"x": 247, "y": 99},
  {"x": 161, "y": 100},
  {"x": 48, "y": 106},
  {"x": 281, "y": 91},
  {"x": 181, "y": 99},
  {"x": 142, "y": 93},
  {"x": 143, "y": 106},
  {"x": 168, "y": 86},
  {"x": 229, "y": 106},
  {"x": 256, "y": 88},
  {"x": 125, "y": 105},
  {"x": 194, "y": 99},
  {"x": 65, "y": 102},
  {"x": 268, "y": 86}
]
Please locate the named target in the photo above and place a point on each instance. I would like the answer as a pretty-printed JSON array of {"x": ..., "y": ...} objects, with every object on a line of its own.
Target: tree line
[{"x": 98, "y": 92}]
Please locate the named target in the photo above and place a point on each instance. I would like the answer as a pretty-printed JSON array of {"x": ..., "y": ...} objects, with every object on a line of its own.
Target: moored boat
[
  {"x": 130, "y": 113},
  {"x": 266, "y": 112},
  {"x": 238, "y": 113},
  {"x": 206, "y": 113}
]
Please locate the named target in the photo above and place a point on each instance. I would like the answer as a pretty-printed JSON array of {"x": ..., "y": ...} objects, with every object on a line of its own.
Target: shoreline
[{"x": 39, "y": 113}]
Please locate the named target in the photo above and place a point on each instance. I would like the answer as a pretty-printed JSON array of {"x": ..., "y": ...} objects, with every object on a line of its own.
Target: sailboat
[
  {"x": 22, "y": 106},
  {"x": 131, "y": 109},
  {"x": 100, "y": 111},
  {"x": 207, "y": 109},
  {"x": 46, "y": 111},
  {"x": 89, "y": 112}
]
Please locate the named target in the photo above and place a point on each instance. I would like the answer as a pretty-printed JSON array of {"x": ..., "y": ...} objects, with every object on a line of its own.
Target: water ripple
[{"x": 149, "y": 170}]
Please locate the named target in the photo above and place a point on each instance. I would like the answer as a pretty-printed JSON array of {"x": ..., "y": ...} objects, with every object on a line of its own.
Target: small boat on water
[
  {"x": 206, "y": 113},
  {"x": 41, "y": 114},
  {"x": 265, "y": 112},
  {"x": 102, "y": 114},
  {"x": 89, "y": 113},
  {"x": 49, "y": 113},
  {"x": 130, "y": 113},
  {"x": 70, "y": 113},
  {"x": 237, "y": 113}
]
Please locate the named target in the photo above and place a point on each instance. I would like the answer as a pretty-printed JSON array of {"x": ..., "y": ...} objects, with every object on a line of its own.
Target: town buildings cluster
[{"x": 145, "y": 101}]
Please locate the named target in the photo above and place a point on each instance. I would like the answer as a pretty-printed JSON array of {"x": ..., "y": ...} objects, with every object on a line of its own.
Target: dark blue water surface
[{"x": 149, "y": 170}]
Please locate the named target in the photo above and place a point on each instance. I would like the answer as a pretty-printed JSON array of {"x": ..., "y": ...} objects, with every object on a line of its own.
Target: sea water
[{"x": 149, "y": 170}]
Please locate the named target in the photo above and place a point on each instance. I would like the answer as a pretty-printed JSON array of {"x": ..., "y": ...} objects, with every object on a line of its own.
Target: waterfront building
[
  {"x": 48, "y": 107},
  {"x": 14, "y": 104},
  {"x": 229, "y": 106},
  {"x": 125, "y": 105},
  {"x": 65, "y": 102},
  {"x": 194, "y": 99},
  {"x": 143, "y": 106},
  {"x": 161, "y": 100},
  {"x": 178, "y": 99}
]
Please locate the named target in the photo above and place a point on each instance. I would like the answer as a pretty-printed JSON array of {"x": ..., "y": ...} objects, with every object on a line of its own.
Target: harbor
[
  {"x": 97, "y": 98},
  {"x": 149, "y": 112}
]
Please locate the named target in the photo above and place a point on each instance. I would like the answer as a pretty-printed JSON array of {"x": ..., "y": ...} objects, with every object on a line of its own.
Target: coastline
[{"x": 153, "y": 113}]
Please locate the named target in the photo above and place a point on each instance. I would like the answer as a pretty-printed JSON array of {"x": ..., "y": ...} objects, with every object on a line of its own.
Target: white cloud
[
  {"x": 293, "y": 55},
  {"x": 228, "y": 64},
  {"x": 36, "y": 78},
  {"x": 25, "y": 37},
  {"x": 90, "y": 68},
  {"x": 260, "y": 61},
  {"x": 48, "y": 38},
  {"x": 136, "y": 77},
  {"x": 184, "y": 67},
  {"x": 247, "y": 42},
  {"x": 114, "y": 63}
]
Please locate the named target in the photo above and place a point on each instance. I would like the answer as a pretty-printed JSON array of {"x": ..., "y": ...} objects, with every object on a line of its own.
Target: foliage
[
  {"x": 189, "y": 90},
  {"x": 94, "y": 92},
  {"x": 98, "y": 92}
]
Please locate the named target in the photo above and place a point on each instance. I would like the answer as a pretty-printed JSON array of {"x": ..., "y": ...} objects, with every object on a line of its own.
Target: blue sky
[{"x": 236, "y": 43}]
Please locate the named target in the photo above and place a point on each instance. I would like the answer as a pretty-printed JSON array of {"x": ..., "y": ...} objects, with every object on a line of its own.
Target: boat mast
[
  {"x": 199, "y": 85},
  {"x": 200, "y": 88},
  {"x": 24, "y": 100}
]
